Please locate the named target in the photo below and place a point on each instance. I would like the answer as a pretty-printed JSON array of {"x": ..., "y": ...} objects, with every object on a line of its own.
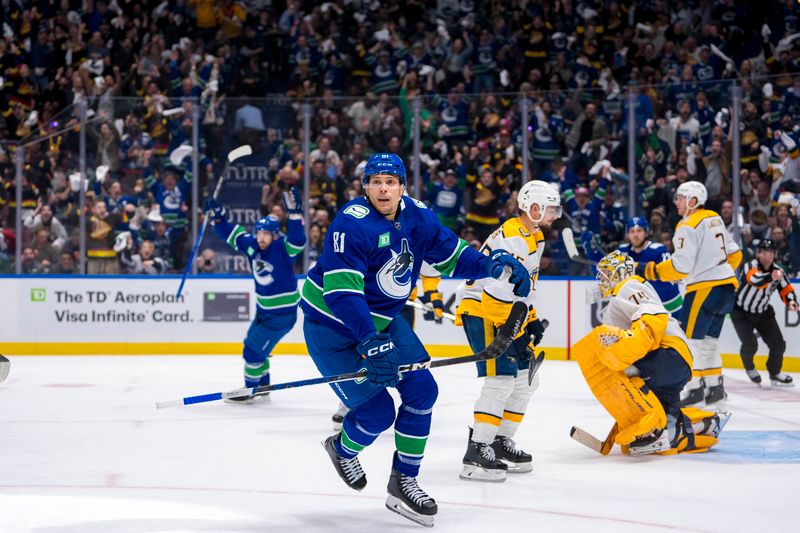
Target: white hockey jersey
[
  {"x": 635, "y": 299},
  {"x": 705, "y": 253},
  {"x": 490, "y": 298}
]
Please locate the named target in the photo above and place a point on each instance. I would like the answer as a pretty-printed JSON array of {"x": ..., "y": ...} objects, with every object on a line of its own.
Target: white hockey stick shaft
[
  {"x": 572, "y": 250},
  {"x": 429, "y": 308}
]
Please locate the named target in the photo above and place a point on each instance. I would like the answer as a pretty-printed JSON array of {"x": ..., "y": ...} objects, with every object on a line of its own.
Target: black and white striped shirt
[{"x": 756, "y": 287}]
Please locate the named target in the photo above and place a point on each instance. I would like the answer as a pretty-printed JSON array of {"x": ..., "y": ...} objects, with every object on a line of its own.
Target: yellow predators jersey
[
  {"x": 636, "y": 308},
  {"x": 490, "y": 298},
  {"x": 705, "y": 253},
  {"x": 430, "y": 278}
]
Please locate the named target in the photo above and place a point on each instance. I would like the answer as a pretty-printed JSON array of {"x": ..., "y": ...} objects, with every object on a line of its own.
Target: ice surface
[{"x": 85, "y": 450}]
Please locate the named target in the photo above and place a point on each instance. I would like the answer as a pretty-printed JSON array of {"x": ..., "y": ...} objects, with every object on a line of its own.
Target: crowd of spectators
[{"x": 144, "y": 68}]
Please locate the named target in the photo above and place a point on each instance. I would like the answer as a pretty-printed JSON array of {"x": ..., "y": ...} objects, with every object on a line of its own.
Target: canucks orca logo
[
  {"x": 262, "y": 272},
  {"x": 394, "y": 277}
]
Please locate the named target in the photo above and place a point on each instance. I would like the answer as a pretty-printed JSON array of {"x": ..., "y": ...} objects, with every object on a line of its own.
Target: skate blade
[
  {"x": 476, "y": 473},
  {"x": 397, "y": 506},
  {"x": 231, "y": 401},
  {"x": 780, "y": 384},
  {"x": 659, "y": 446},
  {"x": 724, "y": 417},
  {"x": 518, "y": 468}
]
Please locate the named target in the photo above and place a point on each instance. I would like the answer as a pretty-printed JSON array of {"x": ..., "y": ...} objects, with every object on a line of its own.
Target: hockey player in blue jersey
[
  {"x": 271, "y": 259},
  {"x": 370, "y": 262}
]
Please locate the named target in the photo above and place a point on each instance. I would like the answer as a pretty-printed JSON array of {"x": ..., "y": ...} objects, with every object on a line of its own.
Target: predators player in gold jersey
[
  {"x": 636, "y": 364},
  {"x": 484, "y": 306},
  {"x": 705, "y": 259}
]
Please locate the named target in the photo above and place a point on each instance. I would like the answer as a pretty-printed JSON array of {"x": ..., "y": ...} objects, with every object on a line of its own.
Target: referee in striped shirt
[{"x": 759, "y": 278}]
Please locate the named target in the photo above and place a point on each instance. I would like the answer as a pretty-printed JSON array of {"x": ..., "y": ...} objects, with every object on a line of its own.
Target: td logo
[{"x": 38, "y": 295}]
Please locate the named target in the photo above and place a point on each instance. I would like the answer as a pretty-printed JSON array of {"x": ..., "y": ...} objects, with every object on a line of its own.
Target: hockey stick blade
[
  {"x": 572, "y": 251},
  {"x": 602, "y": 447},
  {"x": 505, "y": 336},
  {"x": 533, "y": 366}
]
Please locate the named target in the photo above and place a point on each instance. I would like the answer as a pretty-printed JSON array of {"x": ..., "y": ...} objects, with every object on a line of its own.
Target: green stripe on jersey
[
  {"x": 279, "y": 300},
  {"x": 674, "y": 304},
  {"x": 291, "y": 249},
  {"x": 448, "y": 266},
  {"x": 237, "y": 230},
  {"x": 410, "y": 444},
  {"x": 343, "y": 280},
  {"x": 314, "y": 296}
]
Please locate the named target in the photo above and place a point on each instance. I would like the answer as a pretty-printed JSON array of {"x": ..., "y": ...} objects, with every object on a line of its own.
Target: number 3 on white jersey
[{"x": 338, "y": 242}]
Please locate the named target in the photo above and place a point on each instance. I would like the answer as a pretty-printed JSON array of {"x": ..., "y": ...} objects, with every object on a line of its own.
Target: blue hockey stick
[
  {"x": 505, "y": 335},
  {"x": 233, "y": 155}
]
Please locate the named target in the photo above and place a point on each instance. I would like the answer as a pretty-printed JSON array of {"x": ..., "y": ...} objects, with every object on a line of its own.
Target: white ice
[{"x": 85, "y": 450}]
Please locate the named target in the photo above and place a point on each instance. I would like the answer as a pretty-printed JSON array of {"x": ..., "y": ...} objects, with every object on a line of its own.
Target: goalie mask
[{"x": 612, "y": 270}]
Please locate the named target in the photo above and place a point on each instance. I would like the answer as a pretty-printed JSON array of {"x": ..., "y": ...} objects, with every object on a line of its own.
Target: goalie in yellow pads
[{"x": 636, "y": 364}]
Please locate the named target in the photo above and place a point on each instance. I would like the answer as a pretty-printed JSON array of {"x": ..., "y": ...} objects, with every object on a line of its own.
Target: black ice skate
[
  {"x": 781, "y": 379},
  {"x": 715, "y": 393},
  {"x": 241, "y": 400},
  {"x": 481, "y": 463},
  {"x": 754, "y": 376},
  {"x": 348, "y": 469},
  {"x": 655, "y": 441},
  {"x": 338, "y": 416},
  {"x": 408, "y": 500},
  {"x": 694, "y": 397},
  {"x": 517, "y": 461}
]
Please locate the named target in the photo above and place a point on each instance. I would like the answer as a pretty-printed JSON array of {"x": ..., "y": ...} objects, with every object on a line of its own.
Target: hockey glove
[
  {"x": 434, "y": 299},
  {"x": 499, "y": 260},
  {"x": 380, "y": 360},
  {"x": 215, "y": 209},
  {"x": 646, "y": 271},
  {"x": 293, "y": 201},
  {"x": 535, "y": 330}
]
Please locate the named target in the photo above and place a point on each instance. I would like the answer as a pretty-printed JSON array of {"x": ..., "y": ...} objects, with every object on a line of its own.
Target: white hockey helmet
[
  {"x": 693, "y": 189},
  {"x": 542, "y": 194}
]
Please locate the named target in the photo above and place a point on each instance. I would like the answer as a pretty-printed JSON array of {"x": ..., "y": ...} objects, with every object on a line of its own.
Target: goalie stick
[
  {"x": 590, "y": 441},
  {"x": 233, "y": 155},
  {"x": 572, "y": 250},
  {"x": 505, "y": 335}
]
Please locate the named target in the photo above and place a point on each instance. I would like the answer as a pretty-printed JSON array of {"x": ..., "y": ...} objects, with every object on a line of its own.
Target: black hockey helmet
[{"x": 767, "y": 244}]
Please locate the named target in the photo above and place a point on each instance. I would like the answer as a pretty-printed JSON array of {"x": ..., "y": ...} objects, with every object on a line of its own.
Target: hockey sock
[
  {"x": 253, "y": 372},
  {"x": 364, "y": 423},
  {"x": 490, "y": 407},
  {"x": 418, "y": 391},
  {"x": 517, "y": 404},
  {"x": 265, "y": 376}
]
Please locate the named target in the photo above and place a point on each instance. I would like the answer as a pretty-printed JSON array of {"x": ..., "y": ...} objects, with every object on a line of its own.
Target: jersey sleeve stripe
[
  {"x": 235, "y": 232},
  {"x": 291, "y": 249},
  {"x": 343, "y": 280},
  {"x": 448, "y": 266}
]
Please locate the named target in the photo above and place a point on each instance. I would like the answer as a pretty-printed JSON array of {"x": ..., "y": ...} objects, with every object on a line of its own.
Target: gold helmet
[{"x": 613, "y": 269}]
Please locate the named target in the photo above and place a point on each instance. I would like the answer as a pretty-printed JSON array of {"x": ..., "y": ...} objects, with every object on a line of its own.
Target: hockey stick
[
  {"x": 5, "y": 367},
  {"x": 590, "y": 441},
  {"x": 429, "y": 309},
  {"x": 572, "y": 250},
  {"x": 505, "y": 335},
  {"x": 533, "y": 366},
  {"x": 233, "y": 155}
]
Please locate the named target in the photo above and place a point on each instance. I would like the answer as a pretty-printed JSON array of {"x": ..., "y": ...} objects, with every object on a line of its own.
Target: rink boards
[{"x": 88, "y": 315}]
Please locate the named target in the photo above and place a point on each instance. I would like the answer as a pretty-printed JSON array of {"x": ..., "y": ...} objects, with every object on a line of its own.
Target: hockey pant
[
  {"x": 505, "y": 394},
  {"x": 265, "y": 332},
  {"x": 767, "y": 327},
  {"x": 372, "y": 409},
  {"x": 702, "y": 316}
]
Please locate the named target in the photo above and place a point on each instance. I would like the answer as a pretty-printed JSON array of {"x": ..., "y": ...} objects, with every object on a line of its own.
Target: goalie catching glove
[{"x": 380, "y": 360}]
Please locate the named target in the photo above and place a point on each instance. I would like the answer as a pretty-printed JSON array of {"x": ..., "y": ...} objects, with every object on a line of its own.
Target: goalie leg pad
[
  {"x": 635, "y": 408},
  {"x": 490, "y": 407}
]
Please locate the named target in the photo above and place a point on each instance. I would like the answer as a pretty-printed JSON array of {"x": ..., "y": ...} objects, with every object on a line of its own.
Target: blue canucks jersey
[
  {"x": 273, "y": 268},
  {"x": 370, "y": 264},
  {"x": 669, "y": 293}
]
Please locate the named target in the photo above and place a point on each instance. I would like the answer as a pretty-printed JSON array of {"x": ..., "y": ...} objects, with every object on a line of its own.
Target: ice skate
[
  {"x": 481, "y": 463},
  {"x": 655, "y": 441},
  {"x": 407, "y": 499},
  {"x": 348, "y": 469},
  {"x": 713, "y": 425},
  {"x": 754, "y": 376},
  {"x": 338, "y": 417},
  {"x": 693, "y": 397},
  {"x": 715, "y": 394},
  {"x": 241, "y": 400},
  {"x": 781, "y": 379},
  {"x": 517, "y": 461}
]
